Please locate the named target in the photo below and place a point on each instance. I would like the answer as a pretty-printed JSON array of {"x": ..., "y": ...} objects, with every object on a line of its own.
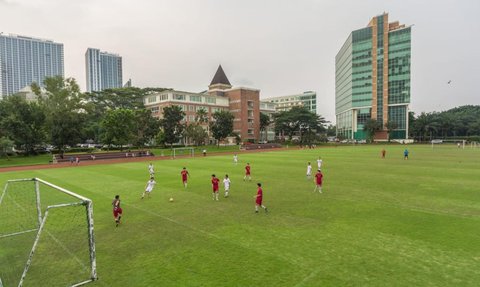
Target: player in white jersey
[
  {"x": 151, "y": 170},
  {"x": 319, "y": 162},
  {"x": 309, "y": 170},
  {"x": 226, "y": 185},
  {"x": 149, "y": 187},
  {"x": 235, "y": 159}
]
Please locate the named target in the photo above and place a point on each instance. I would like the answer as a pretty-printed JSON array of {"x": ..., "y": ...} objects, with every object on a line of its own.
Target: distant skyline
[{"x": 280, "y": 47}]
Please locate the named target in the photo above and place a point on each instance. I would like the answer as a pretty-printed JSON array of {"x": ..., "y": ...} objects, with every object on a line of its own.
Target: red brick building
[{"x": 243, "y": 103}]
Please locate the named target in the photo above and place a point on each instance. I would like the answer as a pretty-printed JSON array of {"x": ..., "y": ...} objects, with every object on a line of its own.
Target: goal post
[
  {"x": 183, "y": 151},
  {"x": 46, "y": 235}
]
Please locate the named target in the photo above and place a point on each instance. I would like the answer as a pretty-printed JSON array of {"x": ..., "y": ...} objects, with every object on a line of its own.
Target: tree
[
  {"x": 299, "y": 120},
  {"x": 65, "y": 112},
  {"x": 264, "y": 123},
  {"x": 171, "y": 124},
  {"x": 331, "y": 130},
  {"x": 222, "y": 125},
  {"x": 371, "y": 127},
  {"x": 196, "y": 133},
  {"x": 118, "y": 127},
  {"x": 201, "y": 116},
  {"x": 390, "y": 127},
  {"x": 6, "y": 146},
  {"x": 146, "y": 127},
  {"x": 23, "y": 122},
  {"x": 120, "y": 98}
]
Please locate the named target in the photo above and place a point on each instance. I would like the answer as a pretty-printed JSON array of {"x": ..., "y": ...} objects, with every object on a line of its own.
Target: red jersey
[
  {"x": 215, "y": 183},
  {"x": 247, "y": 170},
  {"x": 184, "y": 175},
  {"x": 116, "y": 204},
  {"x": 319, "y": 178},
  {"x": 259, "y": 198}
]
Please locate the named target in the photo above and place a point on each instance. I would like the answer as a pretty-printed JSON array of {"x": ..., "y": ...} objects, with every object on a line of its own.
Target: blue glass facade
[
  {"x": 104, "y": 70},
  {"x": 24, "y": 60}
]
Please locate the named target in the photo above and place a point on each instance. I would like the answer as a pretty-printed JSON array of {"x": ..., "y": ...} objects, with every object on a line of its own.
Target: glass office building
[
  {"x": 104, "y": 70},
  {"x": 24, "y": 60},
  {"x": 372, "y": 80}
]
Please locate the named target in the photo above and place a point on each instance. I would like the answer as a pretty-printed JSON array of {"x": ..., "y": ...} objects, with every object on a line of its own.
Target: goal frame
[
  {"x": 42, "y": 219},
  {"x": 191, "y": 149}
]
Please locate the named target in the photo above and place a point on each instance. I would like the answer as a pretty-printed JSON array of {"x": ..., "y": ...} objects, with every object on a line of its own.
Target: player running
[
  {"x": 215, "y": 187},
  {"x": 309, "y": 170},
  {"x": 318, "y": 181},
  {"x": 259, "y": 198},
  {"x": 235, "y": 159},
  {"x": 226, "y": 185},
  {"x": 151, "y": 170},
  {"x": 247, "y": 172},
  {"x": 384, "y": 152},
  {"x": 149, "y": 187},
  {"x": 319, "y": 163},
  {"x": 185, "y": 176},
  {"x": 117, "y": 210},
  {"x": 405, "y": 154}
]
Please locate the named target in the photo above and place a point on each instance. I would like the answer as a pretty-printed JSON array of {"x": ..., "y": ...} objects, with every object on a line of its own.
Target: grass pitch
[{"x": 379, "y": 222}]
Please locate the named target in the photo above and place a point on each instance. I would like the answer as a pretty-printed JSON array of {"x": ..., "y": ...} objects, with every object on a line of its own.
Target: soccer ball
[{"x": 171, "y": 199}]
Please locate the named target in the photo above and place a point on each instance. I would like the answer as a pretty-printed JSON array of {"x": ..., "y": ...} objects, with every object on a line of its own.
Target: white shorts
[{"x": 148, "y": 190}]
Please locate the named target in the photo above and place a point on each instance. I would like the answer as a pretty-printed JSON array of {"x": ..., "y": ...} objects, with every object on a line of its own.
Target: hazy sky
[{"x": 280, "y": 47}]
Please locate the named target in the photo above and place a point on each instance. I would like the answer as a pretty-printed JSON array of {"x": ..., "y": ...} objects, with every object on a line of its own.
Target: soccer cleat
[{"x": 256, "y": 211}]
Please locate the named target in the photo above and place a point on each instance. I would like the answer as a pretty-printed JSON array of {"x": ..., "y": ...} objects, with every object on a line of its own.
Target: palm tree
[{"x": 371, "y": 127}]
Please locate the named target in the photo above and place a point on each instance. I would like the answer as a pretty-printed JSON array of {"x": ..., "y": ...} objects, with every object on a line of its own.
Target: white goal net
[
  {"x": 46, "y": 235},
  {"x": 183, "y": 151}
]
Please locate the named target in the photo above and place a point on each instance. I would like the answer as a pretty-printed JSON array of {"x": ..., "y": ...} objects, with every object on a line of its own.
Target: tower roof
[{"x": 220, "y": 77}]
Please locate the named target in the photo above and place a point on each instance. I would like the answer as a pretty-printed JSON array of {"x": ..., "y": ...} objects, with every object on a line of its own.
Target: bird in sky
[{"x": 449, "y": 82}]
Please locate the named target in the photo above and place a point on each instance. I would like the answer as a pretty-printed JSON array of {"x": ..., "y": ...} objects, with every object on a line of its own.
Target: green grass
[
  {"x": 25, "y": 160},
  {"x": 379, "y": 222}
]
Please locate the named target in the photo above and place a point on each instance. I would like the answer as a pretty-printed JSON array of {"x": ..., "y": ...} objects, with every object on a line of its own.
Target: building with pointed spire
[{"x": 242, "y": 102}]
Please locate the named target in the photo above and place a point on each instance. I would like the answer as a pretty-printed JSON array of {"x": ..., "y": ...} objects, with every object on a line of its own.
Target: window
[
  {"x": 179, "y": 97},
  {"x": 152, "y": 99},
  {"x": 191, "y": 108},
  {"x": 250, "y": 131},
  {"x": 164, "y": 97},
  {"x": 196, "y": 99},
  {"x": 210, "y": 100},
  {"x": 155, "y": 110},
  {"x": 191, "y": 118}
]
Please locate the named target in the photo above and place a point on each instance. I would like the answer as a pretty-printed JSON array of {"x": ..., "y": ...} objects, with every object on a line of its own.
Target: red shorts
[
  {"x": 215, "y": 189},
  {"x": 319, "y": 184},
  {"x": 184, "y": 180},
  {"x": 258, "y": 201},
  {"x": 117, "y": 211},
  {"x": 247, "y": 173}
]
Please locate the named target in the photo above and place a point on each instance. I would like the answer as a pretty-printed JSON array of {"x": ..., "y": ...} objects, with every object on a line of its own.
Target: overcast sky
[{"x": 280, "y": 47}]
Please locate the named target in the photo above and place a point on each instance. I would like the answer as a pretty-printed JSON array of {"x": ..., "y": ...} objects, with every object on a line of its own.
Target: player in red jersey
[
  {"x": 117, "y": 210},
  {"x": 185, "y": 176},
  {"x": 318, "y": 181},
  {"x": 247, "y": 172},
  {"x": 259, "y": 198},
  {"x": 215, "y": 187}
]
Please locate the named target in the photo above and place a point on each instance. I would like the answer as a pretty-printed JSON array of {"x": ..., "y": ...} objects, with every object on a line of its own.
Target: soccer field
[{"x": 378, "y": 222}]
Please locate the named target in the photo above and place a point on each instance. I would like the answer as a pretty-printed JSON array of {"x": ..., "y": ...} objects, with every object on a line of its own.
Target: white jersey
[
  {"x": 319, "y": 163},
  {"x": 226, "y": 183},
  {"x": 150, "y": 168},
  {"x": 235, "y": 159},
  {"x": 309, "y": 170},
  {"x": 150, "y": 184}
]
